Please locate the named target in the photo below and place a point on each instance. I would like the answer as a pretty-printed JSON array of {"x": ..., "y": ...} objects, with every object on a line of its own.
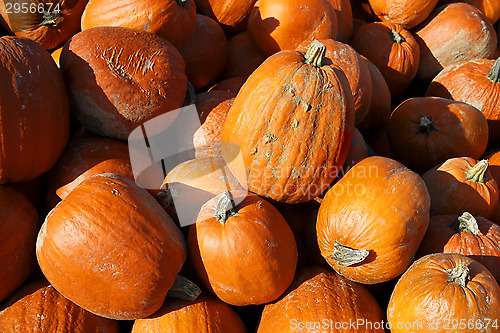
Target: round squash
[
  {"x": 244, "y": 56},
  {"x": 343, "y": 13},
  {"x": 489, "y": 8},
  {"x": 406, "y": 13},
  {"x": 231, "y": 15}
]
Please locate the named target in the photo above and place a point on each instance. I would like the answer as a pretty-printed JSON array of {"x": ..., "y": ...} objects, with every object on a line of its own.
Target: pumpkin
[
  {"x": 124, "y": 254},
  {"x": 174, "y": 20},
  {"x": 56, "y": 54},
  {"x": 34, "y": 110},
  {"x": 489, "y": 8},
  {"x": 426, "y": 131},
  {"x": 232, "y": 16},
  {"x": 406, "y": 13},
  {"x": 294, "y": 145},
  {"x": 38, "y": 307},
  {"x": 207, "y": 101},
  {"x": 453, "y": 33},
  {"x": 232, "y": 84},
  {"x": 322, "y": 301},
  {"x": 372, "y": 221},
  {"x": 205, "y": 53},
  {"x": 358, "y": 151},
  {"x": 343, "y": 12},
  {"x": 18, "y": 230},
  {"x": 462, "y": 184},
  {"x": 49, "y": 23},
  {"x": 244, "y": 56},
  {"x": 494, "y": 168},
  {"x": 397, "y": 56},
  {"x": 276, "y": 25},
  {"x": 242, "y": 249},
  {"x": 119, "y": 78},
  {"x": 206, "y": 314},
  {"x": 475, "y": 237},
  {"x": 445, "y": 292},
  {"x": 380, "y": 143},
  {"x": 474, "y": 82}
]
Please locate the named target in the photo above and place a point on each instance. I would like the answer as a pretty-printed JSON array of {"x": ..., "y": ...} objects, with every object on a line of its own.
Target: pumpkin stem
[
  {"x": 225, "y": 207},
  {"x": 494, "y": 74},
  {"x": 466, "y": 223},
  {"x": 315, "y": 53},
  {"x": 51, "y": 18},
  {"x": 426, "y": 126},
  {"x": 459, "y": 274},
  {"x": 396, "y": 37},
  {"x": 345, "y": 256},
  {"x": 476, "y": 173},
  {"x": 184, "y": 289},
  {"x": 182, "y": 2}
]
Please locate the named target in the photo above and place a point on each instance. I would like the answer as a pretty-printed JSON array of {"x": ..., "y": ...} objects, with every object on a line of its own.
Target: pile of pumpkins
[{"x": 365, "y": 193}]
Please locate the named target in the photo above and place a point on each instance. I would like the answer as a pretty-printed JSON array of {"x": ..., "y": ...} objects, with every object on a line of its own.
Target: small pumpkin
[
  {"x": 244, "y": 56},
  {"x": 406, "y": 13}
]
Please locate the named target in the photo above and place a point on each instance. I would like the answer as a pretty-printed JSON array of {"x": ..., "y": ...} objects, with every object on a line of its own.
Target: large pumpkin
[
  {"x": 118, "y": 78},
  {"x": 231, "y": 15},
  {"x": 34, "y": 110},
  {"x": 293, "y": 121},
  {"x": 372, "y": 221},
  {"x": 242, "y": 249},
  {"x": 406, "y": 13},
  {"x": 124, "y": 253}
]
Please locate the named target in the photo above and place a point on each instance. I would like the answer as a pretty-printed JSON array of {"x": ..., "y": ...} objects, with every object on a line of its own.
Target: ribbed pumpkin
[
  {"x": 372, "y": 221},
  {"x": 231, "y": 15},
  {"x": 244, "y": 57},
  {"x": 475, "y": 82},
  {"x": 204, "y": 315},
  {"x": 462, "y": 184},
  {"x": 489, "y": 8},
  {"x": 322, "y": 301},
  {"x": 245, "y": 253},
  {"x": 124, "y": 253},
  {"x": 118, "y": 78},
  {"x": 295, "y": 143},
  {"x": 34, "y": 110},
  {"x": 18, "y": 230},
  {"x": 407, "y": 13},
  {"x": 50, "y": 25},
  {"x": 426, "y": 131},
  {"x": 38, "y": 307},
  {"x": 174, "y": 20},
  {"x": 445, "y": 292}
]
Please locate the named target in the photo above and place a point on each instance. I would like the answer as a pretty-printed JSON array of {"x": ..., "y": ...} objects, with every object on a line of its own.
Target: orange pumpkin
[
  {"x": 494, "y": 168},
  {"x": 231, "y": 15},
  {"x": 406, "y": 13},
  {"x": 343, "y": 12},
  {"x": 244, "y": 56},
  {"x": 232, "y": 84},
  {"x": 489, "y": 8}
]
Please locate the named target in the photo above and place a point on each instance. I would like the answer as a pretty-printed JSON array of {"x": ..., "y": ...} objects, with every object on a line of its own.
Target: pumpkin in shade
[
  {"x": 124, "y": 253},
  {"x": 475, "y": 237},
  {"x": 205, "y": 53},
  {"x": 453, "y": 33},
  {"x": 494, "y": 168},
  {"x": 489, "y": 8},
  {"x": 462, "y": 184},
  {"x": 244, "y": 57},
  {"x": 294, "y": 146},
  {"x": 397, "y": 56},
  {"x": 207, "y": 101},
  {"x": 475, "y": 82},
  {"x": 49, "y": 23},
  {"x": 244, "y": 253},
  {"x": 358, "y": 151},
  {"x": 174, "y": 20},
  {"x": 18, "y": 230},
  {"x": 276, "y": 25},
  {"x": 34, "y": 110},
  {"x": 372, "y": 221},
  {"x": 406, "y": 13},
  {"x": 204, "y": 315},
  {"x": 343, "y": 12},
  {"x": 118, "y": 78},
  {"x": 426, "y": 131},
  {"x": 38, "y": 307},
  {"x": 232, "y": 16},
  {"x": 445, "y": 292},
  {"x": 318, "y": 301}
]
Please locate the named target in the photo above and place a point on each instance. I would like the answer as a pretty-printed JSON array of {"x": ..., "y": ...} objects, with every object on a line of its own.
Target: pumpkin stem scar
[
  {"x": 494, "y": 74},
  {"x": 225, "y": 207},
  {"x": 346, "y": 256},
  {"x": 459, "y": 274},
  {"x": 315, "y": 53},
  {"x": 466, "y": 223},
  {"x": 426, "y": 126},
  {"x": 51, "y": 18},
  {"x": 396, "y": 37},
  {"x": 184, "y": 289},
  {"x": 476, "y": 173}
]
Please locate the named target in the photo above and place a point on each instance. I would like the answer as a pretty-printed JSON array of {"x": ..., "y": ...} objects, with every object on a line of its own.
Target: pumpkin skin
[
  {"x": 207, "y": 101},
  {"x": 51, "y": 31},
  {"x": 406, "y": 13},
  {"x": 397, "y": 56},
  {"x": 18, "y": 230},
  {"x": 174, "y": 20},
  {"x": 56, "y": 54},
  {"x": 277, "y": 142},
  {"x": 424, "y": 295},
  {"x": 494, "y": 168},
  {"x": 40, "y": 308},
  {"x": 474, "y": 82},
  {"x": 244, "y": 57},
  {"x": 324, "y": 297},
  {"x": 113, "y": 225},
  {"x": 205, "y": 315},
  {"x": 232, "y": 16},
  {"x": 232, "y": 84},
  {"x": 276, "y": 25},
  {"x": 453, "y": 33},
  {"x": 343, "y": 12},
  {"x": 220, "y": 256},
  {"x": 118, "y": 78},
  {"x": 489, "y": 8},
  {"x": 426, "y": 131},
  {"x": 475, "y": 237},
  {"x": 455, "y": 188},
  {"x": 385, "y": 240},
  {"x": 34, "y": 110}
]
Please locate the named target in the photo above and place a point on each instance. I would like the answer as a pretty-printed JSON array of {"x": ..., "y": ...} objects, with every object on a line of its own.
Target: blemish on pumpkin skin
[
  {"x": 269, "y": 137},
  {"x": 253, "y": 151}
]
